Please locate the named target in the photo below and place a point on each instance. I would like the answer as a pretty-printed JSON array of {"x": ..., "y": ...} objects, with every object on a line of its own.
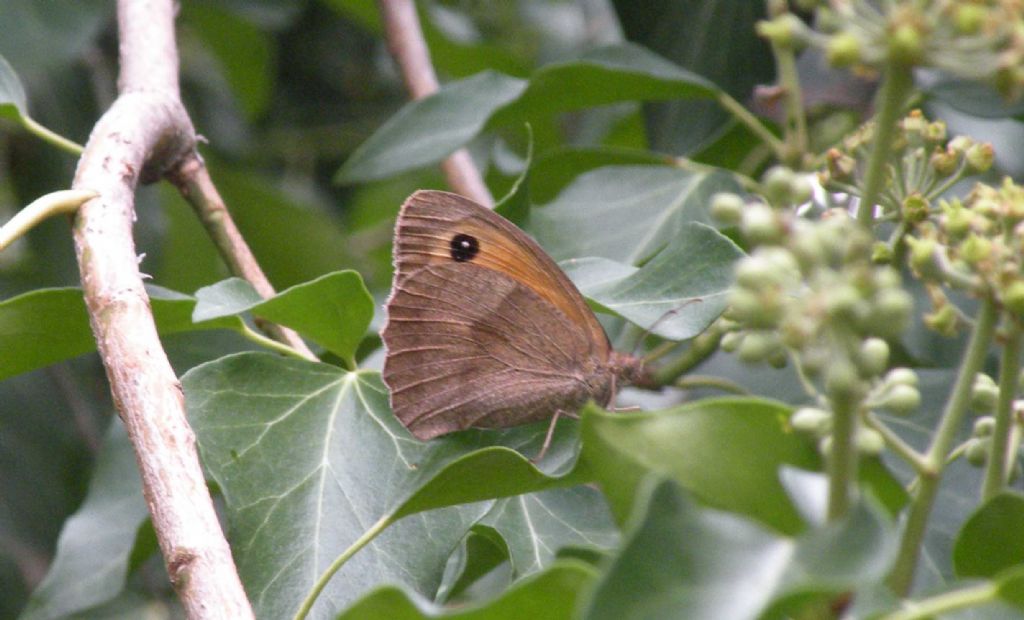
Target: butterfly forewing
[{"x": 441, "y": 228}]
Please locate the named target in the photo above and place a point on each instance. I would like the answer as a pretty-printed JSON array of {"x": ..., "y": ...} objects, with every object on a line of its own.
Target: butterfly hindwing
[{"x": 472, "y": 347}]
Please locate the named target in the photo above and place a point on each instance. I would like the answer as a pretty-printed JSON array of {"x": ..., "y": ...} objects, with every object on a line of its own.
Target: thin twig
[
  {"x": 192, "y": 178},
  {"x": 405, "y": 40},
  {"x": 145, "y": 132}
]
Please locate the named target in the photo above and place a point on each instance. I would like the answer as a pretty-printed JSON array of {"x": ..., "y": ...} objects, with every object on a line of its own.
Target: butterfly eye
[{"x": 464, "y": 248}]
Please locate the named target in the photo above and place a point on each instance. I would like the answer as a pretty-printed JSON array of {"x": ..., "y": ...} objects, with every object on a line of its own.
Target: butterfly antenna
[{"x": 667, "y": 314}]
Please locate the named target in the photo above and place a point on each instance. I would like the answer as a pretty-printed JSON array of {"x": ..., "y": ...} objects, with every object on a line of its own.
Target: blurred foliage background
[{"x": 284, "y": 91}]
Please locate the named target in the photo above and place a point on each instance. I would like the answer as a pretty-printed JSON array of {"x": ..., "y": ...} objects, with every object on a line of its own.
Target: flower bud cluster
[
  {"x": 979, "y": 40},
  {"x": 809, "y": 289},
  {"x": 928, "y": 163},
  {"x": 975, "y": 244}
]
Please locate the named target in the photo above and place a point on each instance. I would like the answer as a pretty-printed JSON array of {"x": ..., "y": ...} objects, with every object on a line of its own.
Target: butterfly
[{"x": 483, "y": 329}]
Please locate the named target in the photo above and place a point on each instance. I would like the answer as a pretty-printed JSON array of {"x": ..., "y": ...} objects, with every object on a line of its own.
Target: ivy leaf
[
  {"x": 95, "y": 546},
  {"x": 427, "y": 130},
  {"x": 684, "y": 561},
  {"x": 333, "y": 310},
  {"x": 679, "y": 292},
  {"x": 309, "y": 459}
]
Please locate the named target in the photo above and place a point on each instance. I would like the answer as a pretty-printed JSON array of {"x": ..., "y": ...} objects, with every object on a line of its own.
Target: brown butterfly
[{"x": 484, "y": 329}]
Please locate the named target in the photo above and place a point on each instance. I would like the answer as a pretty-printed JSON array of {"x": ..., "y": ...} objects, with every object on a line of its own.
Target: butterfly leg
[{"x": 551, "y": 431}]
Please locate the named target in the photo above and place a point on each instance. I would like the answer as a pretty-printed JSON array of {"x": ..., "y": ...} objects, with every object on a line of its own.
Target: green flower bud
[
  {"x": 727, "y": 208},
  {"x": 778, "y": 185},
  {"x": 984, "y": 393},
  {"x": 984, "y": 426},
  {"x": 980, "y": 157},
  {"x": 881, "y": 253},
  {"x": 960, "y": 144},
  {"x": 935, "y": 131},
  {"x": 944, "y": 162},
  {"x": 873, "y": 357},
  {"x": 842, "y": 381},
  {"x": 811, "y": 420},
  {"x": 731, "y": 341},
  {"x": 914, "y": 125},
  {"x": 968, "y": 18},
  {"x": 761, "y": 225},
  {"x": 891, "y": 312},
  {"x": 1013, "y": 298},
  {"x": 869, "y": 442},
  {"x": 987, "y": 207},
  {"x": 957, "y": 222},
  {"x": 814, "y": 360},
  {"x": 902, "y": 399},
  {"x": 901, "y": 376},
  {"x": 943, "y": 320},
  {"x": 757, "y": 346},
  {"x": 841, "y": 302},
  {"x": 906, "y": 44},
  {"x": 750, "y": 308},
  {"x": 843, "y": 50},
  {"x": 976, "y": 450},
  {"x": 840, "y": 165},
  {"x": 915, "y": 208},
  {"x": 976, "y": 249},
  {"x": 922, "y": 253},
  {"x": 784, "y": 31}
]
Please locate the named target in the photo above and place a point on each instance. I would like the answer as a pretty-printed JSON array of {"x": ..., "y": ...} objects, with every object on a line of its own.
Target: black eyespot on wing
[{"x": 464, "y": 248}]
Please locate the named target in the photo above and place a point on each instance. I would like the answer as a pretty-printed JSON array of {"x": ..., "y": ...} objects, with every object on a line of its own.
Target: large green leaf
[
  {"x": 536, "y": 525},
  {"x": 96, "y": 543},
  {"x": 684, "y": 561},
  {"x": 427, "y": 130},
  {"x": 679, "y": 292},
  {"x": 726, "y": 451},
  {"x": 46, "y": 326},
  {"x": 13, "y": 104},
  {"x": 550, "y": 595},
  {"x": 990, "y": 541},
  {"x": 694, "y": 35},
  {"x": 625, "y": 213},
  {"x": 556, "y": 168},
  {"x": 334, "y": 310},
  {"x": 309, "y": 457}
]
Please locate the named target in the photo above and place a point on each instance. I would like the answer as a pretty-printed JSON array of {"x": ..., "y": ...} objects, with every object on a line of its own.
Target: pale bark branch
[
  {"x": 405, "y": 40},
  {"x": 144, "y": 133}
]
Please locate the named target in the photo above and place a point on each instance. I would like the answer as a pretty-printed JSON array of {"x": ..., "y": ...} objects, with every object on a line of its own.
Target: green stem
[
  {"x": 279, "y": 347},
  {"x": 53, "y": 138},
  {"x": 842, "y": 458},
  {"x": 701, "y": 348},
  {"x": 796, "y": 123},
  {"x": 946, "y": 602},
  {"x": 705, "y": 381},
  {"x": 54, "y": 203},
  {"x": 902, "y": 575},
  {"x": 321, "y": 583},
  {"x": 897, "y": 84},
  {"x": 757, "y": 127},
  {"x": 1009, "y": 367},
  {"x": 896, "y": 443}
]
